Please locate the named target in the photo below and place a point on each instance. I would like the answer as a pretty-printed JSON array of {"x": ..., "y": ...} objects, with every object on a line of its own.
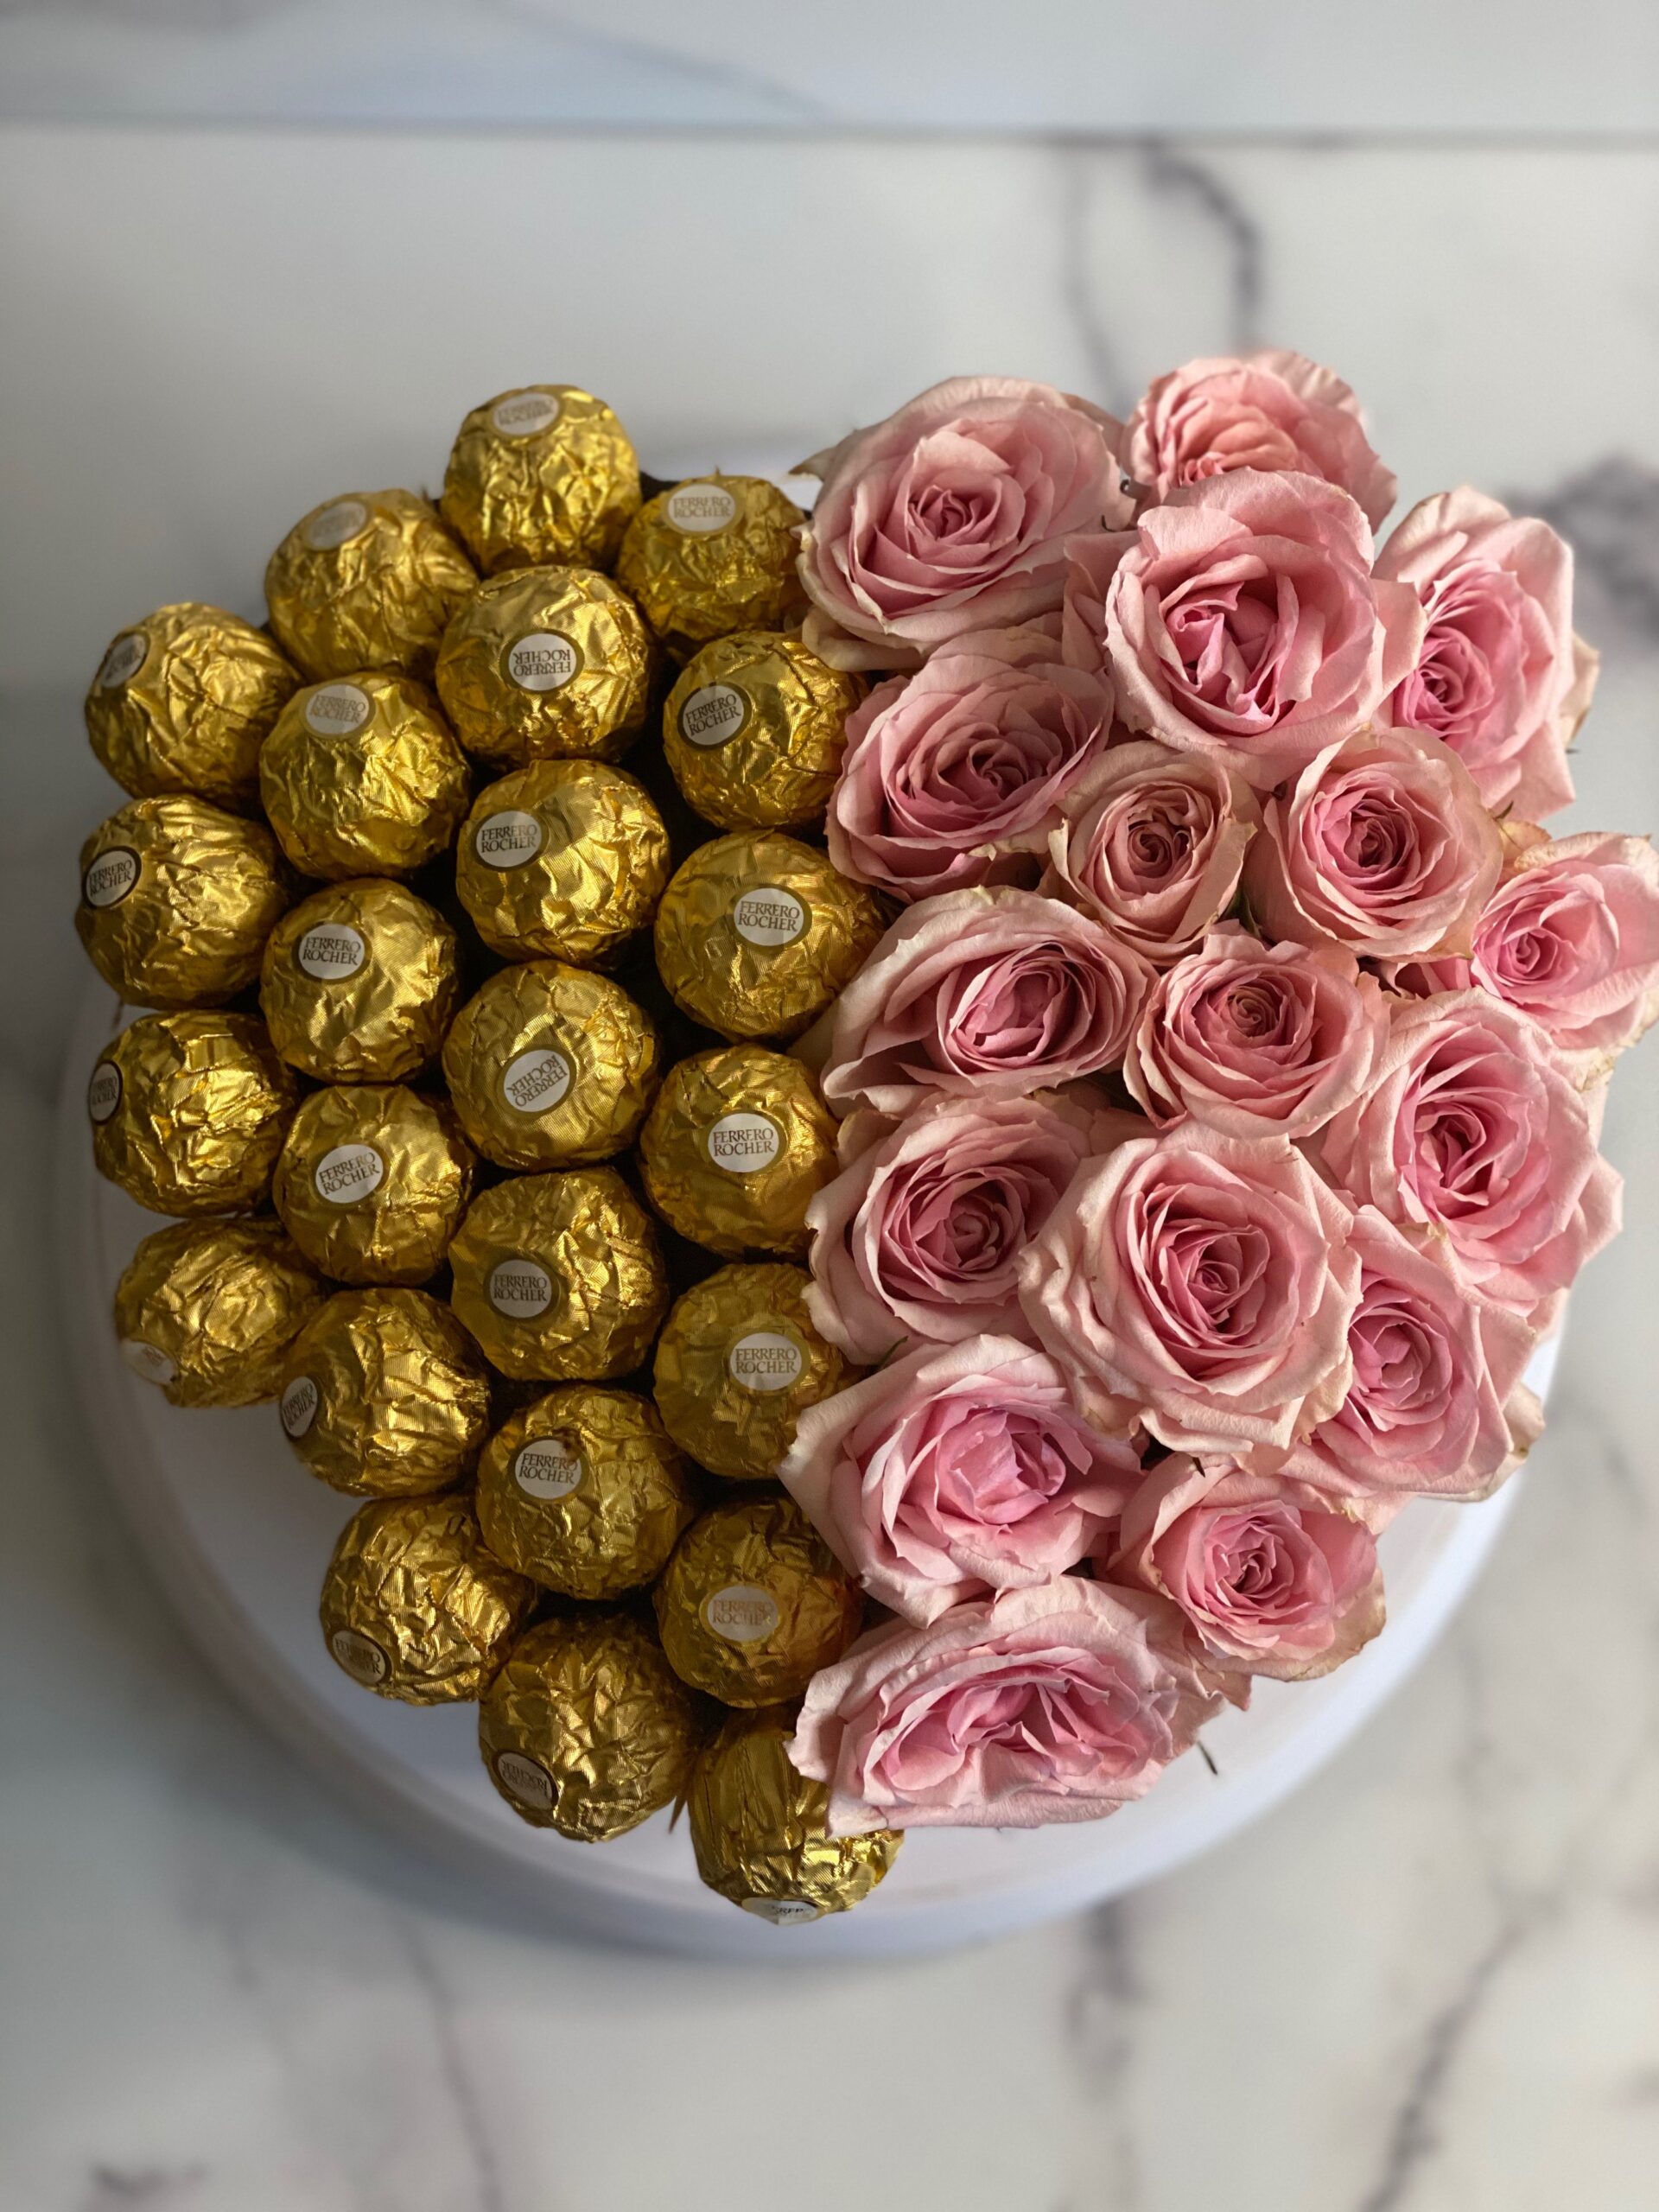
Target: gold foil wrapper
[
  {"x": 550, "y": 1067},
  {"x": 547, "y": 664},
  {"x": 414, "y": 1607},
  {"x": 753, "y": 731},
  {"x": 384, "y": 1395},
  {"x": 372, "y": 1182},
  {"x": 189, "y": 1111},
  {"x": 564, "y": 860},
  {"x": 753, "y": 1602},
  {"x": 184, "y": 700},
  {"x": 369, "y": 581},
  {"x": 177, "y": 897},
  {"x": 736, "y": 1149},
  {"x": 359, "y": 983},
  {"x": 587, "y": 1729},
  {"x": 715, "y": 554},
  {"x": 757, "y": 934},
  {"x": 584, "y": 1492},
  {"x": 738, "y": 1362},
  {"x": 208, "y": 1309},
  {"x": 545, "y": 473},
  {"x": 362, "y": 777},
  {"x": 560, "y": 1277}
]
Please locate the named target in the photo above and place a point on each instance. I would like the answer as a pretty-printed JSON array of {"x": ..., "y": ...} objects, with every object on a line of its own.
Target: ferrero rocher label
[
  {"x": 714, "y": 555},
  {"x": 207, "y": 1310},
  {"x": 584, "y": 1492},
  {"x": 757, "y": 934},
  {"x": 414, "y": 1607},
  {"x": 546, "y": 664},
  {"x": 545, "y": 473},
  {"x": 738, "y": 1362},
  {"x": 384, "y": 1395},
  {"x": 362, "y": 776},
  {"x": 184, "y": 700},
  {"x": 753, "y": 1602},
  {"x": 587, "y": 1729},
  {"x": 736, "y": 1149},
  {"x": 560, "y": 1277},
  {"x": 753, "y": 731},
  {"x": 359, "y": 983},
  {"x": 368, "y": 581},
  {"x": 372, "y": 1182},
  {"x": 189, "y": 1111},
  {"x": 177, "y": 897}
]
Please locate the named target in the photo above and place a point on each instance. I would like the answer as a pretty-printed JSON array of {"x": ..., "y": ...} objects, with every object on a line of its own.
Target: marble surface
[{"x": 1430, "y": 1983}]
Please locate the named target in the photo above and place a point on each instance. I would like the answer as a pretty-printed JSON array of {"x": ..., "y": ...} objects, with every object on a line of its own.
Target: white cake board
[{"x": 238, "y": 1534}]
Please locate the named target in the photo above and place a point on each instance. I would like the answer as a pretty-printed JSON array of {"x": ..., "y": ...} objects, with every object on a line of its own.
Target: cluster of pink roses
[{"x": 1220, "y": 1116}]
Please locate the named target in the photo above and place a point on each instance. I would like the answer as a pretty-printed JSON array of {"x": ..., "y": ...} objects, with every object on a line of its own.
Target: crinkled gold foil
[
  {"x": 184, "y": 700},
  {"x": 413, "y": 1604},
  {"x": 563, "y": 860},
  {"x": 368, "y": 581},
  {"x": 208, "y": 1309},
  {"x": 738, "y": 1362},
  {"x": 384, "y": 1395},
  {"x": 177, "y": 897},
  {"x": 587, "y": 1729},
  {"x": 360, "y": 981},
  {"x": 547, "y": 664},
  {"x": 753, "y": 731},
  {"x": 715, "y": 554},
  {"x": 753, "y": 1602},
  {"x": 362, "y": 777},
  {"x": 545, "y": 473},
  {"x": 189, "y": 1111},
  {"x": 560, "y": 1277},
  {"x": 736, "y": 1149},
  {"x": 757, "y": 934},
  {"x": 372, "y": 1182}
]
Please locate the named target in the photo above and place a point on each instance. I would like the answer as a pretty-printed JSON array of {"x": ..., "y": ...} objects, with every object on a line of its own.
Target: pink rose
[
  {"x": 1499, "y": 675},
  {"x": 1256, "y": 1041},
  {"x": 1268, "y": 411},
  {"x": 993, "y": 992},
  {"x": 950, "y": 516},
  {"x": 1201, "y": 1285},
  {"x": 957, "y": 1471},
  {"x": 1057, "y": 1703}
]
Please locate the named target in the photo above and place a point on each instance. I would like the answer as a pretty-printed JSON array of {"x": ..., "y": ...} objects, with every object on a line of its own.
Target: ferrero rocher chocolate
[
  {"x": 587, "y": 1729},
  {"x": 184, "y": 700},
  {"x": 736, "y": 1149},
  {"x": 372, "y": 1182},
  {"x": 551, "y": 1066},
  {"x": 189, "y": 1111},
  {"x": 753, "y": 1602},
  {"x": 564, "y": 860},
  {"x": 384, "y": 1394},
  {"x": 584, "y": 1492},
  {"x": 414, "y": 1606},
  {"x": 712, "y": 555},
  {"x": 362, "y": 777},
  {"x": 738, "y": 1362},
  {"x": 757, "y": 934},
  {"x": 758, "y": 1828},
  {"x": 369, "y": 581},
  {"x": 207, "y": 1309},
  {"x": 543, "y": 474},
  {"x": 560, "y": 1277},
  {"x": 546, "y": 664},
  {"x": 177, "y": 897},
  {"x": 359, "y": 982},
  {"x": 753, "y": 731}
]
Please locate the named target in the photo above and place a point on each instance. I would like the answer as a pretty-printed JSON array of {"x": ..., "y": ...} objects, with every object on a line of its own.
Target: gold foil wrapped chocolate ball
[
  {"x": 564, "y": 860},
  {"x": 543, "y": 474},
  {"x": 736, "y": 1149},
  {"x": 738, "y": 1362},
  {"x": 753, "y": 731},
  {"x": 757, "y": 935},
  {"x": 560, "y": 1278},
  {"x": 184, "y": 700},
  {"x": 753, "y": 1602},
  {"x": 587, "y": 1729},
  {"x": 414, "y": 1606},
  {"x": 372, "y": 1182},
  {"x": 384, "y": 1395},
  {"x": 359, "y": 983},
  {"x": 177, "y": 897},
  {"x": 546, "y": 664},
  {"x": 715, "y": 555},
  {"x": 189, "y": 1111},
  {"x": 208, "y": 1309},
  {"x": 369, "y": 581},
  {"x": 363, "y": 777}
]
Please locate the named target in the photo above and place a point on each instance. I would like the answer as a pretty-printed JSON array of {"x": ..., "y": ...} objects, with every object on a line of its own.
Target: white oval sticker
[
  {"x": 714, "y": 713},
  {"x": 360, "y": 1655},
  {"x": 783, "y": 1912},
  {"x": 765, "y": 1360},
  {"x": 698, "y": 509},
  {"x": 769, "y": 917},
  {"x": 526, "y": 1779},
  {"x": 110, "y": 876},
  {"x": 348, "y": 1173},
  {"x": 525, "y": 414},
  {"x": 104, "y": 1092},
  {"x": 125, "y": 657},
  {"x": 546, "y": 1467},
  {"x": 331, "y": 950},
  {"x": 740, "y": 1613},
  {"x": 545, "y": 661},
  {"x": 297, "y": 1406},
  {"x": 744, "y": 1143},
  {"x": 537, "y": 1082},
  {"x": 508, "y": 839},
  {"x": 337, "y": 709},
  {"x": 334, "y": 525},
  {"x": 148, "y": 1360},
  {"x": 520, "y": 1289}
]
